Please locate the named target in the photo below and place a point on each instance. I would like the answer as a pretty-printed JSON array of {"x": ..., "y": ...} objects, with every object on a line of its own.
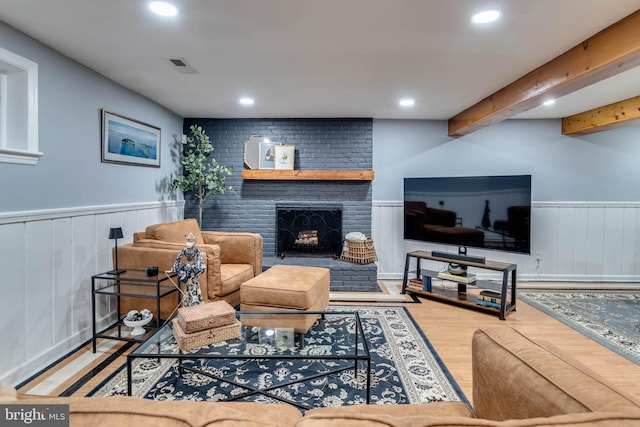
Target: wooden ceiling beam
[
  {"x": 609, "y": 52},
  {"x": 612, "y": 116}
]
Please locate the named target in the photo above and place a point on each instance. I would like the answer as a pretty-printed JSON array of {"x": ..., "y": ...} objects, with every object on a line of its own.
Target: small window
[{"x": 18, "y": 109}]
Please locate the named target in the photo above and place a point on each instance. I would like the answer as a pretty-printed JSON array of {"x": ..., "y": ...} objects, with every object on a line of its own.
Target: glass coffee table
[{"x": 270, "y": 360}]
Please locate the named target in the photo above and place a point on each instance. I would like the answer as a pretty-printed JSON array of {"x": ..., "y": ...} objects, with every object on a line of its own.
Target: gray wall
[
  {"x": 55, "y": 215},
  {"x": 70, "y": 173},
  {"x": 320, "y": 144},
  {"x": 585, "y": 193},
  {"x": 597, "y": 167}
]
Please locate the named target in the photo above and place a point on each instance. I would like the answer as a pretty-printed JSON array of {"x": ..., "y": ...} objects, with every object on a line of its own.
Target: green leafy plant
[{"x": 203, "y": 177}]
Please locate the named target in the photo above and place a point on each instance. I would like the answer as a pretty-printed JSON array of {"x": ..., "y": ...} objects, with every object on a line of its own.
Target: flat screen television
[{"x": 488, "y": 212}]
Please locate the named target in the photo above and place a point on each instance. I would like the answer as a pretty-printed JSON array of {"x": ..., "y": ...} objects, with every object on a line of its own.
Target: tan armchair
[{"x": 232, "y": 258}]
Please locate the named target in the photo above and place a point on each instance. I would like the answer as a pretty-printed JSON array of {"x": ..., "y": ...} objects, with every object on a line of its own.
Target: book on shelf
[
  {"x": 491, "y": 294},
  {"x": 468, "y": 278},
  {"x": 424, "y": 283},
  {"x": 487, "y": 303},
  {"x": 490, "y": 299},
  {"x": 415, "y": 282}
]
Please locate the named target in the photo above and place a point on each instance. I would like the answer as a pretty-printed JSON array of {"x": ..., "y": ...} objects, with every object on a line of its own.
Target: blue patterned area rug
[
  {"x": 404, "y": 369},
  {"x": 609, "y": 318}
]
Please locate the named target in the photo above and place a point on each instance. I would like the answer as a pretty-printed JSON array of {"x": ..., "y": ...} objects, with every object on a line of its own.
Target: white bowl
[{"x": 137, "y": 325}]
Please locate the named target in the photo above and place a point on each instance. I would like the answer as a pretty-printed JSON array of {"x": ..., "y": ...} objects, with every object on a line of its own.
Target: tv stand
[{"x": 460, "y": 296}]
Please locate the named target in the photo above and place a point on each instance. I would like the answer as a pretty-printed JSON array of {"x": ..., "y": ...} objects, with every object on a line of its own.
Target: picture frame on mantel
[
  {"x": 285, "y": 156},
  {"x": 129, "y": 141},
  {"x": 267, "y": 158}
]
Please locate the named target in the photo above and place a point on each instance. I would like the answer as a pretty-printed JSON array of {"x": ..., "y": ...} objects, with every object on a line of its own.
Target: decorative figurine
[{"x": 189, "y": 271}]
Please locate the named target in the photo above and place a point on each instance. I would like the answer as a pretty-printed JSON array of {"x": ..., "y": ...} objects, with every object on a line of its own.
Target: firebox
[{"x": 309, "y": 230}]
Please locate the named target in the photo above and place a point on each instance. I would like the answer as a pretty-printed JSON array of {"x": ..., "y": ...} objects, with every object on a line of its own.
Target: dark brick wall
[{"x": 320, "y": 144}]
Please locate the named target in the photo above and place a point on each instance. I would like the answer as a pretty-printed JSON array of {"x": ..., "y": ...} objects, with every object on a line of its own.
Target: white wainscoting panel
[
  {"x": 47, "y": 259},
  {"x": 13, "y": 301},
  {"x": 38, "y": 284},
  {"x": 571, "y": 241}
]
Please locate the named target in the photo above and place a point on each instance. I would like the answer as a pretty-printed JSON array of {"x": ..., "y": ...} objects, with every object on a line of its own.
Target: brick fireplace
[{"x": 320, "y": 144}]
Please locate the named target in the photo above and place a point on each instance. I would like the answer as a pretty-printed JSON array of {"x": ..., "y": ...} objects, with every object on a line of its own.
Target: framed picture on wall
[
  {"x": 129, "y": 141},
  {"x": 284, "y": 156},
  {"x": 267, "y": 155}
]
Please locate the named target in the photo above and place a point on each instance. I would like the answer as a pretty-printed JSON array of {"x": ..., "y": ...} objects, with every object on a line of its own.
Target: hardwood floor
[{"x": 448, "y": 328}]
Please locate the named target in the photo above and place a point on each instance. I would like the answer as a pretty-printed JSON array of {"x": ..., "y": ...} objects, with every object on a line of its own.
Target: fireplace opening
[{"x": 309, "y": 230}]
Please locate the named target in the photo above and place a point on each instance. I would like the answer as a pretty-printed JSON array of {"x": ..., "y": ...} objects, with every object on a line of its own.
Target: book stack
[
  {"x": 416, "y": 282},
  {"x": 204, "y": 324},
  {"x": 489, "y": 299},
  {"x": 424, "y": 283},
  {"x": 467, "y": 278}
]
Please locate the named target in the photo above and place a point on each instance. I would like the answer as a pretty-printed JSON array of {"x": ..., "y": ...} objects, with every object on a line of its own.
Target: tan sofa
[
  {"x": 517, "y": 382},
  {"x": 232, "y": 258}
]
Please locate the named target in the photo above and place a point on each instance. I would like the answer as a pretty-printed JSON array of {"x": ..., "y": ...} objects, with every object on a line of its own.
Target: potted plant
[{"x": 201, "y": 176}]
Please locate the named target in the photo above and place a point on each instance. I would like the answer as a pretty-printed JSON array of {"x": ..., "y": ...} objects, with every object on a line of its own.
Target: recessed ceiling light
[
  {"x": 246, "y": 101},
  {"x": 407, "y": 102},
  {"x": 549, "y": 102},
  {"x": 486, "y": 16},
  {"x": 163, "y": 8}
]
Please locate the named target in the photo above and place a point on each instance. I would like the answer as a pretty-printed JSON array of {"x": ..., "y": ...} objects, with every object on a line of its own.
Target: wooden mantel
[{"x": 308, "y": 175}]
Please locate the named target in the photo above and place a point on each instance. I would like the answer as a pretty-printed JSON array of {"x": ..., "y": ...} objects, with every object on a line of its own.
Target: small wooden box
[
  {"x": 206, "y": 316},
  {"x": 209, "y": 336}
]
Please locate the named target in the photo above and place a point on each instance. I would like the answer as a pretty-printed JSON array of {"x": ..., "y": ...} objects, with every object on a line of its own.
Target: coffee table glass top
[
  {"x": 268, "y": 347},
  {"x": 334, "y": 334}
]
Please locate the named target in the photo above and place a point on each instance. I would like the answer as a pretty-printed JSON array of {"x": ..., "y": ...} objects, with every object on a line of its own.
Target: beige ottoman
[{"x": 286, "y": 288}]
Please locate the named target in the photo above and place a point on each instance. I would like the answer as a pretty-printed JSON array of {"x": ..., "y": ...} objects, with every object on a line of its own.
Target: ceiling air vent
[{"x": 182, "y": 66}]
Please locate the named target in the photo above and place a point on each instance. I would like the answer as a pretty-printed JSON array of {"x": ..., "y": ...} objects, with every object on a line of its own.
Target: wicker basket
[
  {"x": 200, "y": 339},
  {"x": 359, "y": 252},
  {"x": 206, "y": 316}
]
